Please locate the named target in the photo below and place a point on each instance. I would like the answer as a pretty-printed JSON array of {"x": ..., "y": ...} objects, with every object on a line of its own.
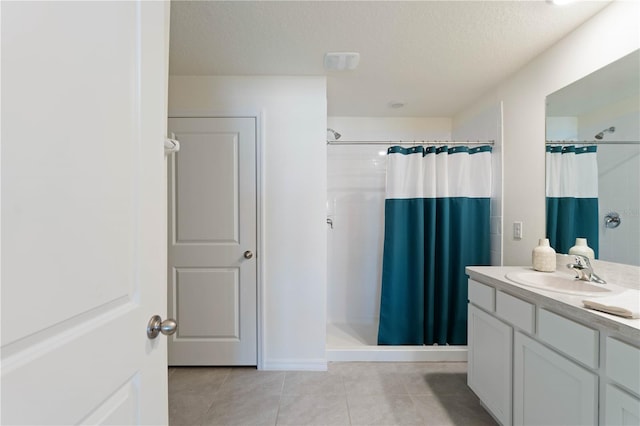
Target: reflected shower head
[
  {"x": 607, "y": 130},
  {"x": 336, "y": 135}
]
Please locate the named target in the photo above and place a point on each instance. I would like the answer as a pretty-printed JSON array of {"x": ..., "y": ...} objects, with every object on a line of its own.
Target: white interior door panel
[
  {"x": 83, "y": 222},
  {"x": 212, "y": 242}
]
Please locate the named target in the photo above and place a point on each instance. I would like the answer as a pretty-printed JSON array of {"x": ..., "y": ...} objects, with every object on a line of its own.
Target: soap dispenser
[{"x": 544, "y": 256}]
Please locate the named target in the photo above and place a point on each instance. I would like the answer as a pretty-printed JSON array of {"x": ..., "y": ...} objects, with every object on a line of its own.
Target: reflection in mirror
[{"x": 593, "y": 162}]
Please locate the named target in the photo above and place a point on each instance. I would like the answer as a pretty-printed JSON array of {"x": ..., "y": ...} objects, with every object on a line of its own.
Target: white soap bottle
[
  {"x": 543, "y": 257},
  {"x": 582, "y": 248}
]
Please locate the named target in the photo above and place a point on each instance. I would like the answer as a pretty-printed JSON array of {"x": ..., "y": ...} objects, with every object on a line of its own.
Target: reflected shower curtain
[
  {"x": 436, "y": 223},
  {"x": 572, "y": 196}
]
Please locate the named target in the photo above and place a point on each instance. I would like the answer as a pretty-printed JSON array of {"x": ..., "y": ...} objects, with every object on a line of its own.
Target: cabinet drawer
[
  {"x": 623, "y": 364},
  {"x": 576, "y": 340},
  {"x": 515, "y": 311},
  {"x": 482, "y": 295}
]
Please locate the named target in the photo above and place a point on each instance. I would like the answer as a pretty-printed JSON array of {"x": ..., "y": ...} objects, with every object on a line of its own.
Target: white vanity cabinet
[
  {"x": 549, "y": 389},
  {"x": 532, "y": 362}
]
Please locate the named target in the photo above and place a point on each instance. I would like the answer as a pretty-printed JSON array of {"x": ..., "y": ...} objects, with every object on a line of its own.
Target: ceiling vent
[{"x": 341, "y": 61}]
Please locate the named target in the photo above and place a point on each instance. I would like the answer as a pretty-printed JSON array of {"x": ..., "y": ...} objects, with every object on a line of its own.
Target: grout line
[
  {"x": 346, "y": 399},
  {"x": 280, "y": 397}
]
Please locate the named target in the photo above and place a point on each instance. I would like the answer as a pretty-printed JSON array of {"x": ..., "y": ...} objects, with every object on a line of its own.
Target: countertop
[{"x": 569, "y": 305}]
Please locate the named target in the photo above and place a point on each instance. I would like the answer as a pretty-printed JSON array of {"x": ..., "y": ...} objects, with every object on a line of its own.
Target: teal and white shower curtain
[
  {"x": 572, "y": 196},
  {"x": 436, "y": 223}
]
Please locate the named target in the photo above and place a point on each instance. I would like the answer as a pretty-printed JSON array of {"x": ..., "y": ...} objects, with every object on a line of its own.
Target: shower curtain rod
[
  {"x": 592, "y": 142},
  {"x": 420, "y": 142}
]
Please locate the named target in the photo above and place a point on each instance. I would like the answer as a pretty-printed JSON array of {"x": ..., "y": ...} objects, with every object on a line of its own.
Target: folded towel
[{"x": 625, "y": 304}]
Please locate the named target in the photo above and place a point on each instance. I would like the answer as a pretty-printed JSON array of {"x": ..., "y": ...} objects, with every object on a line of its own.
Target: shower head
[
  {"x": 607, "y": 130},
  {"x": 336, "y": 135}
]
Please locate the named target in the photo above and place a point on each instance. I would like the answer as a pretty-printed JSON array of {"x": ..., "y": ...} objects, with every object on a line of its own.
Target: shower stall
[{"x": 355, "y": 233}]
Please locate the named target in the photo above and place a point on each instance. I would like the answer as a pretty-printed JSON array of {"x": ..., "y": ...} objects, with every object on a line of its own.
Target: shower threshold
[{"x": 357, "y": 342}]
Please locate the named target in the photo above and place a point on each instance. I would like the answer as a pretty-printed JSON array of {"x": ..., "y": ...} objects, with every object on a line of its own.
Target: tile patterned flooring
[{"x": 349, "y": 393}]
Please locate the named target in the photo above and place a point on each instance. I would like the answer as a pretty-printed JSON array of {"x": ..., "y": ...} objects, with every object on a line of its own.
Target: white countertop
[{"x": 570, "y": 305}]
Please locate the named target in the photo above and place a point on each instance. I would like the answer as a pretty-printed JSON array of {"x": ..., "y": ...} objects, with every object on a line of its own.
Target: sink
[{"x": 558, "y": 282}]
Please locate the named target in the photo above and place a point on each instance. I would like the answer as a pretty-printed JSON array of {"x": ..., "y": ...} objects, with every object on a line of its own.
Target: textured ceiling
[{"x": 435, "y": 56}]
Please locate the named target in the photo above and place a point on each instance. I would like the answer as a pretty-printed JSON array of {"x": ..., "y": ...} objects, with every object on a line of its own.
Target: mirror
[{"x": 602, "y": 112}]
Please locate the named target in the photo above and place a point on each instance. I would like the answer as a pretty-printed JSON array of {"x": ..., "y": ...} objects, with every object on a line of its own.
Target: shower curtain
[
  {"x": 572, "y": 196},
  {"x": 436, "y": 223}
]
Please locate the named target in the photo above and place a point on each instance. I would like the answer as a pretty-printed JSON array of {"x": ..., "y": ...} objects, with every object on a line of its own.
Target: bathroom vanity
[{"x": 538, "y": 357}]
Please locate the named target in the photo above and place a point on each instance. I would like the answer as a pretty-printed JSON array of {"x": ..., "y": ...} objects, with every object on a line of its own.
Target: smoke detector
[{"x": 341, "y": 61}]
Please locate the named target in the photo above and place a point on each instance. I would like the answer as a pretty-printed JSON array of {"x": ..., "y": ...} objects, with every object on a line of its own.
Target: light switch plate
[{"x": 517, "y": 230}]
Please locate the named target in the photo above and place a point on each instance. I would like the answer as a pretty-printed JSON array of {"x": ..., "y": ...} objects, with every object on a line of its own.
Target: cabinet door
[
  {"x": 621, "y": 409},
  {"x": 489, "y": 362},
  {"x": 549, "y": 389}
]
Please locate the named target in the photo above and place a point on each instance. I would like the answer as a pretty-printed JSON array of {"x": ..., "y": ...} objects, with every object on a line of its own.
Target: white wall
[
  {"x": 293, "y": 134},
  {"x": 609, "y": 35},
  {"x": 392, "y": 128},
  {"x": 355, "y": 204}
]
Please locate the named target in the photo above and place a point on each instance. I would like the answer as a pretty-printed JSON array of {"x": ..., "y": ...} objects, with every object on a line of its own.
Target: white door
[
  {"x": 621, "y": 408},
  {"x": 489, "y": 362},
  {"x": 212, "y": 242},
  {"x": 548, "y": 389},
  {"x": 83, "y": 217}
]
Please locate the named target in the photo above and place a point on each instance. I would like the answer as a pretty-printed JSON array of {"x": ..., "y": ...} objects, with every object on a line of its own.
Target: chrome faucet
[{"x": 584, "y": 271}]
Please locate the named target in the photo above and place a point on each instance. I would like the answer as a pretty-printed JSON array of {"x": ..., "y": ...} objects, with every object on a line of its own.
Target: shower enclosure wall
[{"x": 355, "y": 227}]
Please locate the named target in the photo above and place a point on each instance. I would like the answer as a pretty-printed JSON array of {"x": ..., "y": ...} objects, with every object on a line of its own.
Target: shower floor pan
[{"x": 357, "y": 342}]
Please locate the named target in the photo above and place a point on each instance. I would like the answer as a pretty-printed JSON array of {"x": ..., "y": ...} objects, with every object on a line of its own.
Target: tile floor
[{"x": 421, "y": 393}]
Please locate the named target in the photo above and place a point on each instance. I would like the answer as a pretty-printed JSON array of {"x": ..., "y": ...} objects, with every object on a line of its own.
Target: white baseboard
[
  {"x": 398, "y": 354},
  {"x": 295, "y": 365},
  {"x": 371, "y": 354}
]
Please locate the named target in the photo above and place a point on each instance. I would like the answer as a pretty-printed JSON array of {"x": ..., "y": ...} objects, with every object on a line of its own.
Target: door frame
[{"x": 260, "y": 225}]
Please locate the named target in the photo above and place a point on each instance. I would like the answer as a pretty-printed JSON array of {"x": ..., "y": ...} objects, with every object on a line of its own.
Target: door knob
[
  {"x": 248, "y": 254},
  {"x": 157, "y": 326}
]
